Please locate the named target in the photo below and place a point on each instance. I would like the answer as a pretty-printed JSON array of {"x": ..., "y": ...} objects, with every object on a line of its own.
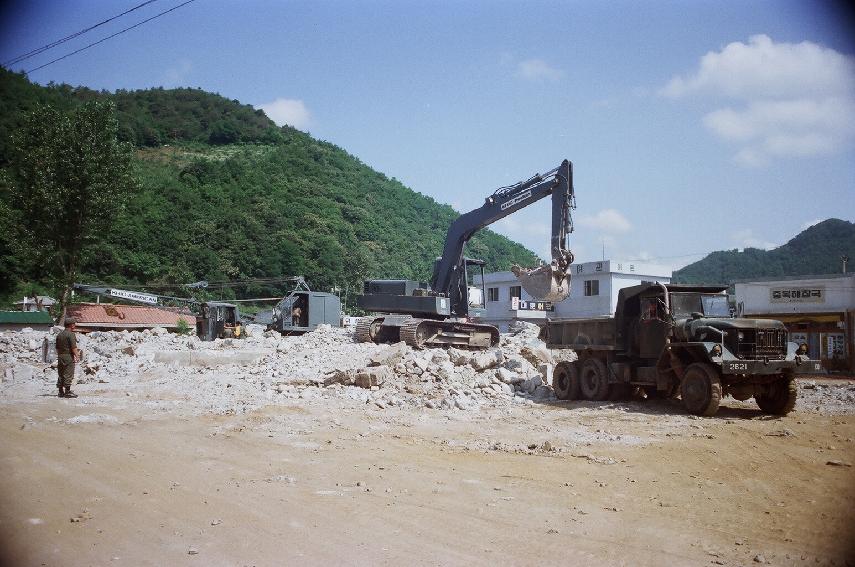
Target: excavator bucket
[{"x": 545, "y": 283}]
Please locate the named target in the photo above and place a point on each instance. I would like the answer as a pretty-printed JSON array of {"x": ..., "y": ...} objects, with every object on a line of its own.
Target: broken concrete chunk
[
  {"x": 373, "y": 376},
  {"x": 488, "y": 359},
  {"x": 459, "y": 357},
  {"x": 536, "y": 352},
  {"x": 506, "y": 376},
  {"x": 346, "y": 377},
  {"x": 389, "y": 356}
]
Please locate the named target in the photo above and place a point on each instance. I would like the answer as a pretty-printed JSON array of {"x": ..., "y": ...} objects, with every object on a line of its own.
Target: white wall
[
  {"x": 836, "y": 294},
  {"x": 499, "y": 312},
  {"x": 577, "y": 305}
]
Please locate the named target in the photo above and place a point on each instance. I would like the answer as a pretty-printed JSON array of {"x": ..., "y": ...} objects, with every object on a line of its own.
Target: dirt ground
[{"x": 104, "y": 480}]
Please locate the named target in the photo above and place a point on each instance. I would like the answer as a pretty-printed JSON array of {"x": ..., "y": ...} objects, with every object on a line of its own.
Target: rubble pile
[
  {"x": 236, "y": 375},
  {"x": 170, "y": 372}
]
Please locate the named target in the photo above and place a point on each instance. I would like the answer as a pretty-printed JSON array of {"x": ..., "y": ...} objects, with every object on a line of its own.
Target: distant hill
[
  {"x": 816, "y": 250},
  {"x": 226, "y": 195}
]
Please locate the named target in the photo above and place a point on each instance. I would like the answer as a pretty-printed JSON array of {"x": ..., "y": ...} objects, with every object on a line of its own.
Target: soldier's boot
[
  {"x": 61, "y": 391},
  {"x": 69, "y": 393}
]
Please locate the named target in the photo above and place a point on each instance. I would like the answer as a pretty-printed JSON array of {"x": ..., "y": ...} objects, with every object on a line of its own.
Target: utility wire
[
  {"x": 109, "y": 37},
  {"x": 70, "y": 37}
]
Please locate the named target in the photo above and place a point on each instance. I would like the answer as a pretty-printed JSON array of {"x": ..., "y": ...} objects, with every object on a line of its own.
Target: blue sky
[{"x": 693, "y": 126}]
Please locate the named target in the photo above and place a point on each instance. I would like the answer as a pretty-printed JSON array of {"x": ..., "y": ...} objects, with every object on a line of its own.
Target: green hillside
[
  {"x": 226, "y": 195},
  {"x": 816, "y": 250}
]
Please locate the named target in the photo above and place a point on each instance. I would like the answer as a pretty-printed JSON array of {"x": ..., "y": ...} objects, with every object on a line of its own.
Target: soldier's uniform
[{"x": 66, "y": 342}]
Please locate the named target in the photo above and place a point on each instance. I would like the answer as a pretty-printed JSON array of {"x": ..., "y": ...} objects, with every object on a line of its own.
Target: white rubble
[
  {"x": 169, "y": 372},
  {"x": 238, "y": 375}
]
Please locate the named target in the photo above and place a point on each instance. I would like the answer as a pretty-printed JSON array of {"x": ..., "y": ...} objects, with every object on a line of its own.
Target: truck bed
[{"x": 599, "y": 333}]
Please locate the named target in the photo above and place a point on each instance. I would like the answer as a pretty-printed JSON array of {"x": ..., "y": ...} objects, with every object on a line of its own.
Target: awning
[{"x": 800, "y": 317}]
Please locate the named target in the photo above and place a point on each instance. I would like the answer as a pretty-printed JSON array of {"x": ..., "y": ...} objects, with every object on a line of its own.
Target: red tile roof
[{"x": 108, "y": 315}]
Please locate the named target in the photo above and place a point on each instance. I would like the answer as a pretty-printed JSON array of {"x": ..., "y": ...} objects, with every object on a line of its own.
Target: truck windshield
[
  {"x": 684, "y": 304},
  {"x": 710, "y": 305},
  {"x": 715, "y": 305}
]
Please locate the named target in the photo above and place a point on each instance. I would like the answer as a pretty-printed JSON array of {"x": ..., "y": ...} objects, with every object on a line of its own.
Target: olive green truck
[{"x": 678, "y": 339}]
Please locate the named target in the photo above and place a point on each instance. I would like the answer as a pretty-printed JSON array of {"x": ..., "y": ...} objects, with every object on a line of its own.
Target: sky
[{"x": 692, "y": 126}]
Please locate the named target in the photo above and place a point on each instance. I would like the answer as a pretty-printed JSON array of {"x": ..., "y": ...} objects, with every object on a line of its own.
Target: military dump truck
[{"x": 678, "y": 339}]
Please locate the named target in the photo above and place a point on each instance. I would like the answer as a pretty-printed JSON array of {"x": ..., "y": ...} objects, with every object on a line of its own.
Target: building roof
[
  {"x": 26, "y": 317},
  {"x": 125, "y": 316},
  {"x": 773, "y": 279}
]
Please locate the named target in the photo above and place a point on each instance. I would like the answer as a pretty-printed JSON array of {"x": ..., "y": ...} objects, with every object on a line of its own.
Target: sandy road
[{"x": 614, "y": 485}]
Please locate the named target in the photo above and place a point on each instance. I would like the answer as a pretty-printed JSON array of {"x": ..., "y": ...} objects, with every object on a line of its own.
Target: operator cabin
[{"x": 593, "y": 292}]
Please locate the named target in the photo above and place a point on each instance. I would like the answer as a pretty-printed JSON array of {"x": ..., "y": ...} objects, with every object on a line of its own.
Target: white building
[
  {"x": 593, "y": 292},
  {"x": 817, "y": 310}
]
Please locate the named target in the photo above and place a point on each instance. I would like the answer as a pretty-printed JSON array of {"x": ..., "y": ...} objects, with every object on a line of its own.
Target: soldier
[{"x": 67, "y": 356}]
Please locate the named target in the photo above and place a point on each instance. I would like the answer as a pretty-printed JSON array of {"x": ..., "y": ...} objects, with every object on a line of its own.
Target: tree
[{"x": 69, "y": 179}]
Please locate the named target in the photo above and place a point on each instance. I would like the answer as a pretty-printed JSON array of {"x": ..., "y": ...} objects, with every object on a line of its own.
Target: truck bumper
[{"x": 763, "y": 367}]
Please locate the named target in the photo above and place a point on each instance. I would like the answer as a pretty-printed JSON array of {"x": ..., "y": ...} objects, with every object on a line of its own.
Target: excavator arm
[{"x": 549, "y": 283}]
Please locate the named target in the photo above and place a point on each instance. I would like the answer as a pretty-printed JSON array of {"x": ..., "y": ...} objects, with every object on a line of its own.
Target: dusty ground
[{"x": 105, "y": 479}]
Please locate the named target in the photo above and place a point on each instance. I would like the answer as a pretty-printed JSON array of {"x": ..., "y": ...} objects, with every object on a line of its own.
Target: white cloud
[
  {"x": 521, "y": 228},
  {"x": 288, "y": 111},
  {"x": 745, "y": 238},
  {"x": 175, "y": 76},
  {"x": 792, "y": 100},
  {"x": 607, "y": 220},
  {"x": 537, "y": 70}
]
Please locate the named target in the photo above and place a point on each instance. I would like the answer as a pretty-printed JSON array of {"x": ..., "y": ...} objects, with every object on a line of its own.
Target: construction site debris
[{"x": 229, "y": 376}]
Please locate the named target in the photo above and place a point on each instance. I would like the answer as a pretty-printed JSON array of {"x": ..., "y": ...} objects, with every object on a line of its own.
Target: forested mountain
[
  {"x": 227, "y": 195},
  {"x": 816, "y": 250}
]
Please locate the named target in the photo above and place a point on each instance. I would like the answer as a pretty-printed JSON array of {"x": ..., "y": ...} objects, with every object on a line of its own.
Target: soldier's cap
[{"x": 69, "y": 321}]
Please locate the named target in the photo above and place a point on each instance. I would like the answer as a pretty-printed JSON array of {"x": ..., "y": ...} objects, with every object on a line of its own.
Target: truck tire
[
  {"x": 565, "y": 381},
  {"x": 701, "y": 389},
  {"x": 594, "y": 380},
  {"x": 780, "y": 398}
]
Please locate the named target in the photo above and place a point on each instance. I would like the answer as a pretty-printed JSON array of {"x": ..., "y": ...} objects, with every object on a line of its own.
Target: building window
[
  {"x": 516, "y": 291},
  {"x": 592, "y": 287},
  {"x": 492, "y": 294}
]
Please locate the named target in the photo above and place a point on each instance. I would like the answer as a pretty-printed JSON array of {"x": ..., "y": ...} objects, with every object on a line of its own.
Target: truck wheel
[
  {"x": 701, "y": 389},
  {"x": 779, "y": 398},
  {"x": 594, "y": 382},
  {"x": 565, "y": 381}
]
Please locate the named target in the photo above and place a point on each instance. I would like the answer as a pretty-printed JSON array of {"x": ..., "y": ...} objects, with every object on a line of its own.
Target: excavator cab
[{"x": 218, "y": 320}]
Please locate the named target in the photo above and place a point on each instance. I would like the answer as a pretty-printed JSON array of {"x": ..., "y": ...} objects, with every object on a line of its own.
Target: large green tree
[{"x": 69, "y": 179}]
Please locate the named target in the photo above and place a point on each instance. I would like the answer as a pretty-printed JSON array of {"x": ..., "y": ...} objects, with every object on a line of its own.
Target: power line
[
  {"x": 94, "y": 43},
  {"x": 44, "y": 48}
]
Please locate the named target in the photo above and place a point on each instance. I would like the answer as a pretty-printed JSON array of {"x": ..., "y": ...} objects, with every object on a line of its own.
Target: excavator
[{"x": 438, "y": 314}]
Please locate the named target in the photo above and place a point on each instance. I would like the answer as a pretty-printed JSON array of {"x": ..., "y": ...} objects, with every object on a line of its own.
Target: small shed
[
  {"x": 17, "y": 320},
  {"x": 36, "y": 303},
  {"x": 112, "y": 317}
]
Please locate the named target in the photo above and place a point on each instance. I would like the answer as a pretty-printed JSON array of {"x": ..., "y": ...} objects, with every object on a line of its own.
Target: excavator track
[
  {"x": 363, "y": 330},
  {"x": 410, "y": 333},
  {"x": 426, "y": 333}
]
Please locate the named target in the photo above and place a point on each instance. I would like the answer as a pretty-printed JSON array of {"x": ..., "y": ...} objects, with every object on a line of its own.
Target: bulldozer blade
[{"x": 546, "y": 283}]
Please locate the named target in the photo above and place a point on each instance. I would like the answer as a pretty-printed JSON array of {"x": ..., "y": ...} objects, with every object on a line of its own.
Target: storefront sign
[
  {"x": 797, "y": 295},
  {"x": 519, "y": 305},
  {"x": 134, "y": 295}
]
